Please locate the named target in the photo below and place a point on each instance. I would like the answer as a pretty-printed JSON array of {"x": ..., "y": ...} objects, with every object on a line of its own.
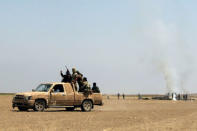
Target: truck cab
[{"x": 56, "y": 95}]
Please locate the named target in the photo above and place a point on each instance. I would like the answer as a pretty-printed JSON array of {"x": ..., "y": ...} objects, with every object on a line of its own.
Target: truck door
[
  {"x": 69, "y": 97},
  {"x": 58, "y": 95}
]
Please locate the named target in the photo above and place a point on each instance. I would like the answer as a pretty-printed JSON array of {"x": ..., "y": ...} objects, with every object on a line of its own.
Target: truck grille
[{"x": 19, "y": 97}]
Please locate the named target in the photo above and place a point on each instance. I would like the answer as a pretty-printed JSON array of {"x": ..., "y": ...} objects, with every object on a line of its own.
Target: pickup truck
[{"x": 56, "y": 95}]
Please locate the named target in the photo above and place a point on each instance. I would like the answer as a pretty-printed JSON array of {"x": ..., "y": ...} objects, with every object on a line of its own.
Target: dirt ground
[{"x": 124, "y": 115}]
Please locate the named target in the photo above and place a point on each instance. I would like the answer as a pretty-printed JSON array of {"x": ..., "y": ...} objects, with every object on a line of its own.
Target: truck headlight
[{"x": 28, "y": 97}]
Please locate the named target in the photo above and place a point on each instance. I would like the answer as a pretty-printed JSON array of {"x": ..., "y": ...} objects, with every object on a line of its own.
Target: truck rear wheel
[
  {"x": 39, "y": 105},
  {"x": 86, "y": 106},
  {"x": 22, "y": 108}
]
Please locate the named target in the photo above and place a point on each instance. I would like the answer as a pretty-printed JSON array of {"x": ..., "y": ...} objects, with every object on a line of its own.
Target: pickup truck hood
[{"x": 32, "y": 93}]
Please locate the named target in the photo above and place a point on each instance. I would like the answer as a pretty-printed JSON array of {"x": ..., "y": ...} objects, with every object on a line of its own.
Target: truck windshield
[{"x": 43, "y": 88}]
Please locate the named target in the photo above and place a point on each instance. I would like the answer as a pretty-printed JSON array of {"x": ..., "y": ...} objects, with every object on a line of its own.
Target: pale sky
[{"x": 119, "y": 44}]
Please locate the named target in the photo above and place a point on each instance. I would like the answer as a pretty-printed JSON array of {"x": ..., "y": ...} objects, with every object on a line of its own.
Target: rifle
[
  {"x": 66, "y": 67},
  {"x": 67, "y": 72}
]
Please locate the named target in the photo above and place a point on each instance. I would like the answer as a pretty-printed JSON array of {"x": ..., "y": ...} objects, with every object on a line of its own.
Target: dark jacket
[
  {"x": 66, "y": 78},
  {"x": 95, "y": 89}
]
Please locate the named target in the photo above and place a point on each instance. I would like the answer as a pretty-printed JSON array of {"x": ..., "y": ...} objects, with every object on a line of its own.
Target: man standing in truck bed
[
  {"x": 67, "y": 77},
  {"x": 77, "y": 77}
]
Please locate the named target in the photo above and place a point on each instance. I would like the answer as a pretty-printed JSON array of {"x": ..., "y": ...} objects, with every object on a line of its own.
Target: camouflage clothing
[
  {"x": 80, "y": 80},
  {"x": 85, "y": 86},
  {"x": 77, "y": 78},
  {"x": 75, "y": 86},
  {"x": 76, "y": 74},
  {"x": 74, "y": 78}
]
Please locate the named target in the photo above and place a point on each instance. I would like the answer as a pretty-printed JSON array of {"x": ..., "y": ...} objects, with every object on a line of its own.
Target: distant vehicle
[{"x": 56, "y": 95}]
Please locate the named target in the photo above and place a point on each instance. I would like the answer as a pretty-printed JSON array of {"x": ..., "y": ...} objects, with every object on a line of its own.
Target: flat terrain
[{"x": 129, "y": 114}]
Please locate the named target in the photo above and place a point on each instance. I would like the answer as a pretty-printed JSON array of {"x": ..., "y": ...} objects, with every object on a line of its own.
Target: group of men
[{"x": 80, "y": 82}]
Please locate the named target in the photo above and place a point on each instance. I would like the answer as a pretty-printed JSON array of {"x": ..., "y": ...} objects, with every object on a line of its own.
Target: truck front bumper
[{"x": 23, "y": 103}]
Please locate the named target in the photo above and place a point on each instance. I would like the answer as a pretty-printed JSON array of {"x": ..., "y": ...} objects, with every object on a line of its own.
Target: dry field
[{"x": 124, "y": 115}]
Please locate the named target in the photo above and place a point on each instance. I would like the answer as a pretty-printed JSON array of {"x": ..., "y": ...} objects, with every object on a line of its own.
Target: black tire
[
  {"x": 39, "y": 105},
  {"x": 86, "y": 106},
  {"x": 22, "y": 108},
  {"x": 70, "y": 108}
]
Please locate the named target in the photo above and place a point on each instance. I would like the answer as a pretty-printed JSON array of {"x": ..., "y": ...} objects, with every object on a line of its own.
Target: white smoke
[
  {"x": 168, "y": 54},
  {"x": 168, "y": 43},
  {"x": 171, "y": 77}
]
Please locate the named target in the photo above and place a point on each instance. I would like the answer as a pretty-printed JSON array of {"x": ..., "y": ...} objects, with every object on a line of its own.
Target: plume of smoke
[
  {"x": 167, "y": 54},
  {"x": 171, "y": 77},
  {"x": 169, "y": 46}
]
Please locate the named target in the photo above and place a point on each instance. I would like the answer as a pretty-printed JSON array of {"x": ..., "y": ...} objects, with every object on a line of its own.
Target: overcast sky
[{"x": 120, "y": 44}]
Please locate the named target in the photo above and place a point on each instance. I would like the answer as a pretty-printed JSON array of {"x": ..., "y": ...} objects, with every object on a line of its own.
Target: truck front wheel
[
  {"x": 86, "y": 106},
  {"x": 39, "y": 105}
]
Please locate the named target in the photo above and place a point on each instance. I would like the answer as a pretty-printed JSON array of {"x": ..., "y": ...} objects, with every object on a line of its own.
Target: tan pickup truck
[{"x": 56, "y": 95}]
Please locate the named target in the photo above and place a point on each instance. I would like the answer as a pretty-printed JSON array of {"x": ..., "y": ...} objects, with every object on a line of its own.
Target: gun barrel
[{"x": 66, "y": 67}]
